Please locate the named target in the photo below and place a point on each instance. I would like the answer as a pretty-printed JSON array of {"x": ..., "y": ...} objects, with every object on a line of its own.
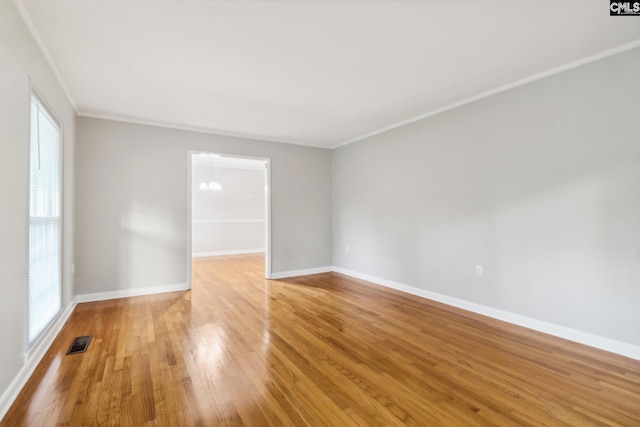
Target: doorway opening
[{"x": 229, "y": 207}]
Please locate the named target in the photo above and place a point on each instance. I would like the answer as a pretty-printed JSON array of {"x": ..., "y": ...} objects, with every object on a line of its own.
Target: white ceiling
[{"x": 313, "y": 72}]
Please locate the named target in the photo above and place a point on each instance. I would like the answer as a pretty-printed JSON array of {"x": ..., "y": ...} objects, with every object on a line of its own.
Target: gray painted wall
[
  {"x": 240, "y": 203},
  {"x": 20, "y": 60},
  {"x": 132, "y": 203},
  {"x": 540, "y": 185}
]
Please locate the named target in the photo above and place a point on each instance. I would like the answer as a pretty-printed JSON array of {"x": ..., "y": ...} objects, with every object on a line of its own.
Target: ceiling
[{"x": 311, "y": 72}]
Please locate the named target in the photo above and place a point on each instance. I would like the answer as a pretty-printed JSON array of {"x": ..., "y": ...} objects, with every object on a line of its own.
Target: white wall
[
  {"x": 540, "y": 184},
  {"x": 20, "y": 59},
  {"x": 132, "y": 189},
  {"x": 230, "y": 220}
]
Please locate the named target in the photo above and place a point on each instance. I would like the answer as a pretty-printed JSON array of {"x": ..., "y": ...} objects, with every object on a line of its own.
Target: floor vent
[{"x": 79, "y": 345}]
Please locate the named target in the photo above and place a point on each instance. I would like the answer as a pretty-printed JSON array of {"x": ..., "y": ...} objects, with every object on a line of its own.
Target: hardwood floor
[{"x": 322, "y": 350}]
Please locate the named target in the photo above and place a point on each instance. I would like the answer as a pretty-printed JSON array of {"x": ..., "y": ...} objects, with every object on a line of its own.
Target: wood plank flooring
[{"x": 321, "y": 350}]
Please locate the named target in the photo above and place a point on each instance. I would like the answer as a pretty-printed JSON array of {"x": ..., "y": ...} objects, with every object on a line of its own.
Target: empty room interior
[{"x": 319, "y": 213}]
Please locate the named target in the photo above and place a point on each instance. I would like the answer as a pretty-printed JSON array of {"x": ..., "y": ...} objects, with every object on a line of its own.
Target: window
[{"x": 45, "y": 259}]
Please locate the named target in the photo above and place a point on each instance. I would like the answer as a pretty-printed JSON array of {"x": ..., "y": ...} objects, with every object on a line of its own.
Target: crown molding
[
  {"x": 31, "y": 26},
  {"x": 571, "y": 65},
  {"x": 175, "y": 126},
  {"x": 28, "y": 21}
]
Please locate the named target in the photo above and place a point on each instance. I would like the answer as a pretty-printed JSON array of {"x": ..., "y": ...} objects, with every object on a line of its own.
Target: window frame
[{"x": 34, "y": 346}]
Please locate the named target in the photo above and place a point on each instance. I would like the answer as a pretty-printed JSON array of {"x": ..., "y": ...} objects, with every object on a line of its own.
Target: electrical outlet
[{"x": 479, "y": 270}]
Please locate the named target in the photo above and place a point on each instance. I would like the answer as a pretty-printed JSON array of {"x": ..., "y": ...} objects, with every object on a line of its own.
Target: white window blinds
[{"x": 45, "y": 260}]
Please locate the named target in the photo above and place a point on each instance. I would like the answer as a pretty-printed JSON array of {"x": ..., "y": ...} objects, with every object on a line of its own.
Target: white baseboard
[
  {"x": 306, "y": 272},
  {"x": 135, "y": 292},
  {"x": 33, "y": 358},
  {"x": 35, "y": 355},
  {"x": 234, "y": 252},
  {"x": 618, "y": 347}
]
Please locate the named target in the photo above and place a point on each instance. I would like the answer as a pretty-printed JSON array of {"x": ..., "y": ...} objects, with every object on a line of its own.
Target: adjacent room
[
  {"x": 229, "y": 205},
  {"x": 318, "y": 213}
]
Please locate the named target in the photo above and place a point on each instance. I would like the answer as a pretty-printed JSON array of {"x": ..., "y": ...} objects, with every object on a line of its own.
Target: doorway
[{"x": 229, "y": 207}]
